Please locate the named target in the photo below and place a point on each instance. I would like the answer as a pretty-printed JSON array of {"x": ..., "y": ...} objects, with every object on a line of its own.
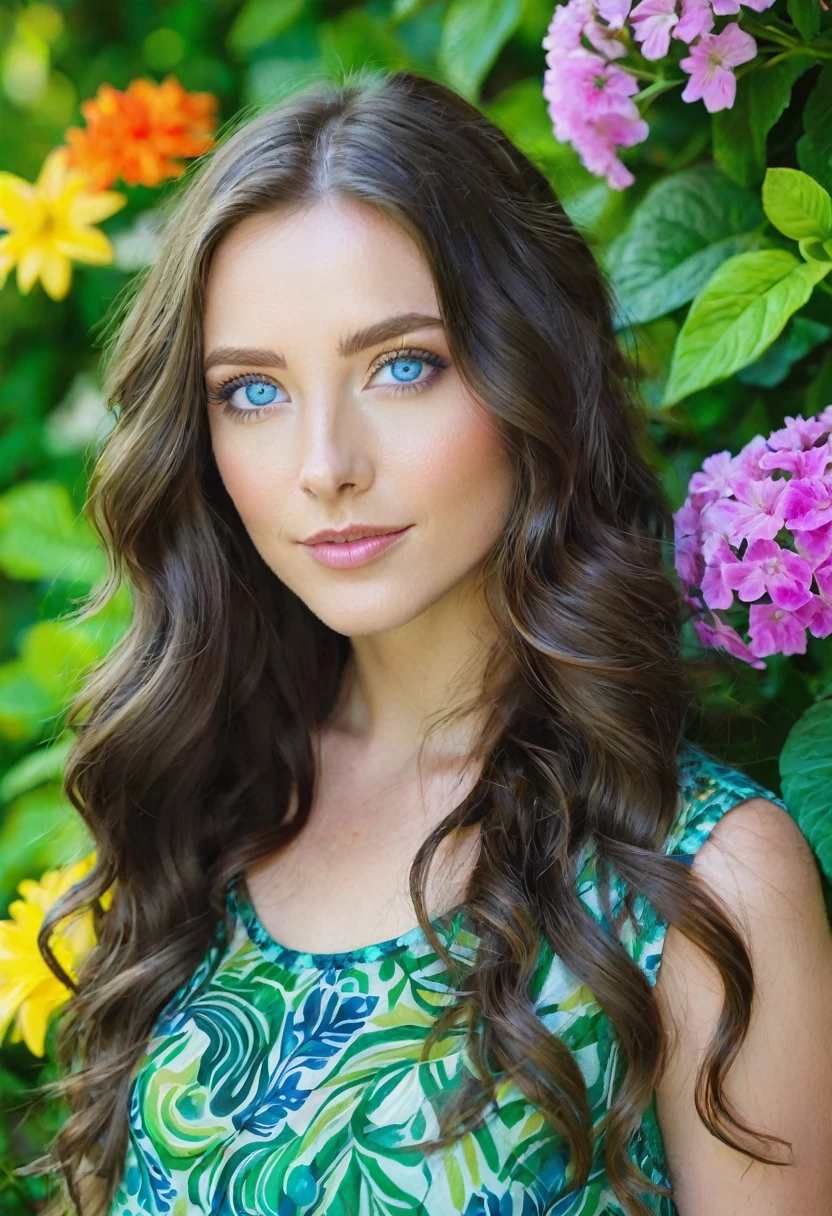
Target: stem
[
  {"x": 768, "y": 31},
  {"x": 640, "y": 75},
  {"x": 780, "y": 24},
  {"x": 655, "y": 90},
  {"x": 814, "y": 51}
]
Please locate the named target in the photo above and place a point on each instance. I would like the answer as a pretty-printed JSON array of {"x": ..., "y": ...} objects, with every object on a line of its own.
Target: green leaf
[
  {"x": 25, "y": 706},
  {"x": 797, "y": 205},
  {"x": 805, "y": 15},
  {"x": 259, "y": 21},
  {"x": 403, "y": 10},
  {"x": 812, "y": 250},
  {"x": 814, "y": 148},
  {"x": 520, "y": 110},
  {"x": 41, "y": 830},
  {"x": 57, "y": 654},
  {"x": 269, "y": 80},
  {"x": 683, "y": 229},
  {"x": 737, "y": 315},
  {"x": 740, "y": 133},
  {"x": 473, "y": 34},
  {"x": 44, "y": 764},
  {"x": 798, "y": 339},
  {"x": 819, "y": 392},
  {"x": 356, "y": 39},
  {"x": 42, "y": 536},
  {"x": 806, "y": 775}
]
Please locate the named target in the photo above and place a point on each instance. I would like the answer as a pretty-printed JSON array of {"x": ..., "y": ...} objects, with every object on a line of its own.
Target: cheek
[
  {"x": 252, "y": 476},
  {"x": 463, "y": 479}
]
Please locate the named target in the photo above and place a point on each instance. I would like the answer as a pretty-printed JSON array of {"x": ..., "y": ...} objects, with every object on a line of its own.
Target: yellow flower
[
  {"x": 28, "y": 988},
  {"x": 50, "y": 224}
]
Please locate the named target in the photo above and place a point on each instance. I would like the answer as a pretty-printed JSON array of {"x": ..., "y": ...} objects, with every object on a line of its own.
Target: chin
[{"x": 368, "y": 615}]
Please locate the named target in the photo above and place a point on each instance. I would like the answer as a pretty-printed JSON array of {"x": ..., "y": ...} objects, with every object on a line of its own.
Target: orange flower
[{"x": 138, "y": 134}]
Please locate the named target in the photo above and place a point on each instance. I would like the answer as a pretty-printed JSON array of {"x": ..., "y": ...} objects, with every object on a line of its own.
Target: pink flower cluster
[
  {"x": 759, "y": 525},
  {"x": 590, "y": 97}
]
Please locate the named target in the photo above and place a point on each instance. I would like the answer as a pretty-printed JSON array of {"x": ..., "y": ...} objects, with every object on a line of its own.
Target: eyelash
[{"x": 223, "y": 393}]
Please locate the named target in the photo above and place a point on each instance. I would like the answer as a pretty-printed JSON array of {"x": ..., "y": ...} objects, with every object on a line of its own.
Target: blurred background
[{"x": 693, "y": 200}]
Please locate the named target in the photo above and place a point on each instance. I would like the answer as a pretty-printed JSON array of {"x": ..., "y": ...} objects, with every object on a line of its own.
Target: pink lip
[{"x": 354, "y": 552}]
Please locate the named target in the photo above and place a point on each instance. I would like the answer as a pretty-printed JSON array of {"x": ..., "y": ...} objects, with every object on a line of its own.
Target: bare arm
[{"x": 759, "y": 864}]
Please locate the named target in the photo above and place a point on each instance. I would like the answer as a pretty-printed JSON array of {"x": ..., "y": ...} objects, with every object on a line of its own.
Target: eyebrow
[{"x": 371, "y": 335}]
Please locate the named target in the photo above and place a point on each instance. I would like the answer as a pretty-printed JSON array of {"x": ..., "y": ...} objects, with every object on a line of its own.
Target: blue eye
[
  {"x": 406, "y": 369},
  {"x": 261, "y": 393},
  {"x": 406, "y": 366}
]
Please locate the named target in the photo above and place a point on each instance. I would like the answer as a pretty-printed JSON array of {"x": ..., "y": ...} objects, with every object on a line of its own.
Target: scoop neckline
[{"x": 298, "y": 960}]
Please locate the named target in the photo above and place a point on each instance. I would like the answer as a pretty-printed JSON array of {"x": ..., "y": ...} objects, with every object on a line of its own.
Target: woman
[{"x": 389, "y": 777}]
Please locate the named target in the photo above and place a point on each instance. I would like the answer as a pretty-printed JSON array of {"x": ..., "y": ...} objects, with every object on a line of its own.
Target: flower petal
[
  {"x": 14, "y": 989},
  {"x": 53, "y": 172},
  {"x": 85, "y": 245},
  {"x": 55, "y": 274},
  {"x": 16, "y": 197},
  {"x": 92, "y": 207},
  {"x": 33, "y": 1017},
  {"x": 28, "y": 268}
]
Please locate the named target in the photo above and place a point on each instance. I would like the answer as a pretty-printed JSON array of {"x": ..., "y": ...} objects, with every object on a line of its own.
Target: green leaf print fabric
[{"x": 278, "y": 1083}]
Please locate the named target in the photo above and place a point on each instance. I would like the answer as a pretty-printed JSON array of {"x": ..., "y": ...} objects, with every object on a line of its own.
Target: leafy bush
[{"x": 697, "y": 163}]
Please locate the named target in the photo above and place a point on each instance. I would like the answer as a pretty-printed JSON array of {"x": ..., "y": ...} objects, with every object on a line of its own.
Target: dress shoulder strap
[{"x": 707, "y": 790}]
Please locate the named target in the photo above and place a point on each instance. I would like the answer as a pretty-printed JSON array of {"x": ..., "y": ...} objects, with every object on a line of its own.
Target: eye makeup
[{"x": 222, "y": 395}]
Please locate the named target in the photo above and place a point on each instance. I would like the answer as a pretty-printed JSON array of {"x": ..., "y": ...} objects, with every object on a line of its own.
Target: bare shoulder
[
  {"x": 758, "y": 865},
  {"x": 755, "y": 847}
]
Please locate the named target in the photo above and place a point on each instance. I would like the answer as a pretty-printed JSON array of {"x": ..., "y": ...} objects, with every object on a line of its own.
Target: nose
[{"x": 334, "y": 455}]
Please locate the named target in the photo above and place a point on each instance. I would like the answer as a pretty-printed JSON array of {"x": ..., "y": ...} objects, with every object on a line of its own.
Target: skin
[
  {"x": 339, "y": 446},
  {"x": 759, "y": 864}
]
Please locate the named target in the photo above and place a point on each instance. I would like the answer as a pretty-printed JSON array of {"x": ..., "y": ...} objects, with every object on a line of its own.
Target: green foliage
[
  {"x": 42, "y": 537},
  {"x": 718, "y": 266},
  {"x": 746, "y": 303},
  {"x": 805, "y": 15},
  {"x": 473, "y": 34},
  {"x": 740, "y": 135},
  {"x": 737, "y": 316},
  {"x": 806, "y": 770},
  {"x": 686, "y": 225},
  {"x": 259, "y": 21},
  {"x": 797, "y": 205},
  {"x": 814, "y": 148}
]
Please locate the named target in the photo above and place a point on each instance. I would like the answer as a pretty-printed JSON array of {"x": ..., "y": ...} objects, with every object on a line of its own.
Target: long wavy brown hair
[{"x": 198, "y": 727}]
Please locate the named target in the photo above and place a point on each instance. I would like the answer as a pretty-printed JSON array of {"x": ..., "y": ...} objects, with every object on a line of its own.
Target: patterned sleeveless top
[{"x": 277, "y": 1082}]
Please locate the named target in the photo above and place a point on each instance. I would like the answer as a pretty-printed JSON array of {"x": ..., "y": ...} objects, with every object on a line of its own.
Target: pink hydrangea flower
[
  {"x": 599, "y": 27},
  {"x": 565, "y": 29},
  {"x": 722, "y": 636},
  {"x": 590, "y": 103},
  {"x": 710, "y": 65},
  {"x": 652, "y": 22},
  {"x": 589, "y": 98},
  {"x": 729, "y": 8},
  {"x": 697, "y": 17},
  {"x": 614, "y": 12},
  {"x": 756, "y": 530},
  {"x": 713, "y": 482},
  {"x": 766, "y": 567},
  {"x": 774, "y": 630},
  {"x": 752, "y": 513}
]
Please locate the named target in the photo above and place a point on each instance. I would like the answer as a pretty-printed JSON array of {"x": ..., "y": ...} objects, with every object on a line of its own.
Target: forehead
[{"x": 313, "y": 267}]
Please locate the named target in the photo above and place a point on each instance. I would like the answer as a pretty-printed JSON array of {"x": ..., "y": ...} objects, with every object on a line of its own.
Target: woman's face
[{"x": 322, "y": 334}]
